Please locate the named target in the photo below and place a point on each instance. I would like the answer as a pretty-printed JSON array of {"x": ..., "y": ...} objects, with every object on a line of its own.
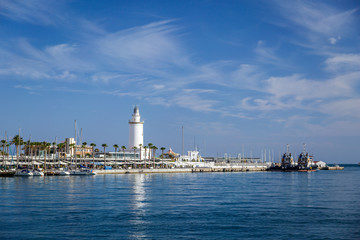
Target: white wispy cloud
[
  {"x": 34, "y": 11},
  {"x": 266, "y": 54},
  {"x": 149, "y": 62},
  {"x": 343, "y": 108},
  {"x": 150, "y": 47},
  {"x": 317, "y": 17},
  {"x": 343, "y": 62}
]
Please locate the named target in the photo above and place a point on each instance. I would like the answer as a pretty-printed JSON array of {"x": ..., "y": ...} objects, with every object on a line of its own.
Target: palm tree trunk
[{"x": 104, "y": 158}]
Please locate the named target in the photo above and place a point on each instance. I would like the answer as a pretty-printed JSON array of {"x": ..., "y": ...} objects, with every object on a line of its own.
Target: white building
[
  {"x": 193, "y": 156},
  {"x": 68, "y": 149},
  {"x": 320, "y": 164},
  {"x": 136, "y": 136},
  {"x": 136, "y": 130}
]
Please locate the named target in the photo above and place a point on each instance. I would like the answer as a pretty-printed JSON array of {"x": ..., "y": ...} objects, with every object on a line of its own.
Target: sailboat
[
  {"x": 24, "y": 172},
  {"x": 82, "y": 171},
  {"x": 37, "y": 172},
  {"x": 63, "y": 172}
]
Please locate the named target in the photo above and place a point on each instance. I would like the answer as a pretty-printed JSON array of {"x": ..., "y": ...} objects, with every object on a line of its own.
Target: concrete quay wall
[{"x": 181, "y": 170}]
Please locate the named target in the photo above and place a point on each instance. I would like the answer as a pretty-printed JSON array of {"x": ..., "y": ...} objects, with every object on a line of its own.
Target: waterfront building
[
  {"x": 171, "y": 155},
  {"x": 320, "y": 164},
  {"x": 193, "y": 156},
  {"x": 68, "y": 149},
  {"x": 78, "y": 150}
]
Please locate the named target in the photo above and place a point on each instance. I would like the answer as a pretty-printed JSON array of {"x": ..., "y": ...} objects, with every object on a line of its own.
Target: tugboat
[
  {"x": 287, "y": 163},
  {"x": 305, "y": 162}
]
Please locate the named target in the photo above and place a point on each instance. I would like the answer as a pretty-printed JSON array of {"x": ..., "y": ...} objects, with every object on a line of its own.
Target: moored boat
[
  {"x": 37, "y": 172},
  {"x": 305, "y": 162},
  {"x": 7, "y": 173},
  {"x": 82, "y": 171},
  {"x": 287, "y": 163},
  {"x": 63, "y": 172},
  {"x": 24, "y": 173}
]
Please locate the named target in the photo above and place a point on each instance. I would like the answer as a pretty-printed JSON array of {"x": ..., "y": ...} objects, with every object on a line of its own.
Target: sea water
[{"x": 234, "y": 205}]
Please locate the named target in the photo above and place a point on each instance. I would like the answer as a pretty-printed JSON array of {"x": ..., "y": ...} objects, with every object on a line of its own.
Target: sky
[{"x": 240, "y": 77}]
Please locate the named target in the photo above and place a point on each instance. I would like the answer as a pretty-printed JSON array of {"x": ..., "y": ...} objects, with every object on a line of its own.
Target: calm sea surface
[{"x": 259, "y": 205}]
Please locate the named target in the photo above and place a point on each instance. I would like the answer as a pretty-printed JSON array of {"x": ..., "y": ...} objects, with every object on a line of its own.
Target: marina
[
  {"x": 187, "y": 120},
  {"x": 76, "y": 157}
]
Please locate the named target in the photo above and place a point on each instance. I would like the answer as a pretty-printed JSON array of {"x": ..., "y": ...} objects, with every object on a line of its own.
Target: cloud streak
[
  {"x": 35, "y": 11},
  {"x": 151, "y": 63}
]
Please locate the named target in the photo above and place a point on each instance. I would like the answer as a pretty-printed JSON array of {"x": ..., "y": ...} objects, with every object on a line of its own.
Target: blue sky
[{"x": 237, "y": 75}]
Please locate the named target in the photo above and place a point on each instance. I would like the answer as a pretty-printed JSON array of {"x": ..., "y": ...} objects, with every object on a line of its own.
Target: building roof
[{"x": 170, "y": 152}]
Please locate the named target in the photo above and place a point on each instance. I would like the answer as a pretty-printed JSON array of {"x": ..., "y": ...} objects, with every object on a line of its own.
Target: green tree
[
  {"x": 17, "y": 141},
  {"x": 140, "y": 147},
  {"x": 146, "y": 148},
  {"x": 123, "y": 148},
  {"x": 116, "y": 147},
  {"x": 104, "y": 146},
  {"x": 83, "y": 146},
  {"x": 45, "y": 146},
  {"x": 93, "y": 153},
  {"x": 3, "y": 144},
  {"x": 150, "y": 147},
  {"x": 162, "y": 154},
  {"x": 134, "y": 148},
  {"x": 154, "y": 148}
]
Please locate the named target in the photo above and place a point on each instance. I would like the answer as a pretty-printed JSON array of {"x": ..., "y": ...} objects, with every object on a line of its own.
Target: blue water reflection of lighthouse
[{"x": 139, "y": 206}]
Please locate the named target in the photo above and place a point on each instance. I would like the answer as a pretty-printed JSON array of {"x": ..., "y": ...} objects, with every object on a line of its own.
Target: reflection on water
[
  {"x": 181, "y": 206},
  {"x": 139, "y": 206},
  {"x": 139, "y": 193}
]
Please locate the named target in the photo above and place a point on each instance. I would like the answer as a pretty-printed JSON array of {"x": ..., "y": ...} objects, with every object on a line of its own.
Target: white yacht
[
  {"x": 37, "y": 172},
  {"x": 63, "y": 172},
  {"x": 24, "y": 172},
  {"x": 82, "y": 171}
]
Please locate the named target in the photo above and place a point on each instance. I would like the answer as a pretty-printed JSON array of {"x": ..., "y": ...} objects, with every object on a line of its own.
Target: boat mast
[
  {"x": 17, "y": 151},
  {"x": 182, "y": 146}
]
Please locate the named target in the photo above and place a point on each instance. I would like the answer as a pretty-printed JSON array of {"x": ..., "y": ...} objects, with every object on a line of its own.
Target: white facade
[
  {"x": 192, "y": 156},
  {"x": 68, "y": 149},
  {"x": 320, "y": 164},
  {"x": 136, "y": 130}
]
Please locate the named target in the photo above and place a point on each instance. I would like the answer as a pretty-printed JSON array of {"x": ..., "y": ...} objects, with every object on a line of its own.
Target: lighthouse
[{"x": 136, "y": 130}]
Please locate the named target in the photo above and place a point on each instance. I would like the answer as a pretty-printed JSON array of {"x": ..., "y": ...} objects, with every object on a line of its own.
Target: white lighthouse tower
[{"x": 136, "y": 130}]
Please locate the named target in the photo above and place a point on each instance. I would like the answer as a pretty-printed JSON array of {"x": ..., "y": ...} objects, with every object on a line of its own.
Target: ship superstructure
[{"x": 287, "y": 160}]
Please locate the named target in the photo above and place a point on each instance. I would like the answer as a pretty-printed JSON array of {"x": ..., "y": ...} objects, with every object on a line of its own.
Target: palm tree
[
  {"x": 83, "y": 146},
  {"x": 123, "y": 148},
  {"x": 46, "y": 147},
  {"x": 43, "y": 147},
  {"x": 134, "y": 147},
  {"x": 93, "y": 155},
  {"x": 7, "y": 150},
  {"x": 162, "y": 154},
  {"x": 18, "y": 141},
  {"x": 116, "y": 147},
  {"x": 145, "y": 147},
  {"x": 154, "y": 148},
  {"x": 104, "y": 146},
  {"x": 150, "y": 146},
  {"x": 140, "y": 146},
  {"x": 3, "y": 144},
  {"x": 36, "y": 146},
  {"x": 54, "y": 151},
  {"x": 32, "y": 152}
]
